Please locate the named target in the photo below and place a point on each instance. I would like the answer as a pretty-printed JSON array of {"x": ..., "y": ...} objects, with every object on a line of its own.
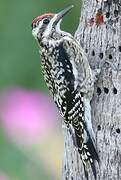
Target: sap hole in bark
[
  {"x": 86, "y": 50},
  {"x": 107, "y": 14},
  {"x": 106, "y": 90},
  {"x": 110, "y": 56},
  {"x": 72, "y": 178},
  {"x": 115, "y": 1},
  {"x": 114, "y": 90},
  {"x": 118, "y": 130},
  {"x": 98, "y": 91},
  {"x": 98, "y": 127},
  {"x": 72, "y": 162},
  {"x": 101, "y": 55},
  {"x": 116, "y": 13},
  {"x": 119, "y": 48},
  {"x": 93, "y": 53}
]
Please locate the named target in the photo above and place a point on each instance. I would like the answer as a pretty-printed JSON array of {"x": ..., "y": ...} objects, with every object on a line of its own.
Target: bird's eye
[{"x": 46, "y": 21}]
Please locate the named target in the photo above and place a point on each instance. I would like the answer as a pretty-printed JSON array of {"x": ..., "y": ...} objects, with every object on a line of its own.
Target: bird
[{"x": 70, "y": 80}]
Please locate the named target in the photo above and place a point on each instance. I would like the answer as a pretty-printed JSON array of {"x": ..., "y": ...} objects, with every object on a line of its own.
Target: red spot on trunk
[
  {"x": 99, "y": 19},
  {"x": 91, "y": 21}
]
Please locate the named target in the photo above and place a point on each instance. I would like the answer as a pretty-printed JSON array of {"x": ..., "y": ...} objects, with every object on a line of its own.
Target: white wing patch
[{"x": 88, "y": 120}]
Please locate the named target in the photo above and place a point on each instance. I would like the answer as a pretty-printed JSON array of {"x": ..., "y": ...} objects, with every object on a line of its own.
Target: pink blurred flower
[
  {"x": 27, "y": 115},
  {"x": 3, "y": 176}
]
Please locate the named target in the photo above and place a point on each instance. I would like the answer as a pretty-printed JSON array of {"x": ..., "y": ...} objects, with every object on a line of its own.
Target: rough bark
[{"x": 100, "y": 33}]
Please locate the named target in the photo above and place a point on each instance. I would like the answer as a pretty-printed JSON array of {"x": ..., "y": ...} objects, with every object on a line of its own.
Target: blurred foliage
[
  {"x": 19, "y": 57},
  {"x": 17, "y": 164}
]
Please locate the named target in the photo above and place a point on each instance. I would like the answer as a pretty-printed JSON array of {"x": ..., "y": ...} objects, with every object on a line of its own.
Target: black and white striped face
[
  {"x": 42, "y": 26},
  {"x": 39, "y": 25}
]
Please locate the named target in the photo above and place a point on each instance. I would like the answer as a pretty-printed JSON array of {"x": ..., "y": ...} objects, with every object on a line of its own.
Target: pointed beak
[{"x": 61, "y": 14}]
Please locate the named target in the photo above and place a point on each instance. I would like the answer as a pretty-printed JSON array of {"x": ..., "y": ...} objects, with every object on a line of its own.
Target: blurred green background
[{"x": 21, "y": 81}]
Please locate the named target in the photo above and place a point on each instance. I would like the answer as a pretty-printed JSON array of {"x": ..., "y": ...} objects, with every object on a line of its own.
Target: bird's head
[{"x": 44, "y": 24}]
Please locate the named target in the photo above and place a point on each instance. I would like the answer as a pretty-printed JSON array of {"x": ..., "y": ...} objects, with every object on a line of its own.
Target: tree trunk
[{"x": 100, "y": 33}]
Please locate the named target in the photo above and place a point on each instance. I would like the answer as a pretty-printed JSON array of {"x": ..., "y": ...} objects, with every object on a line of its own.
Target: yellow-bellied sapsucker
[{"x": 70, "y": 80}]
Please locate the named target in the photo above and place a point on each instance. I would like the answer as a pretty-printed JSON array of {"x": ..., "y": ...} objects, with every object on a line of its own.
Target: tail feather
[
  {"x": 94, "y": 169},
  {"x": 86, "y": 148},
  {"x": 94, "y": 156},
  {"x": 85, "y": 172},
  {"x": 92, "y": 149},
  {"x": 89, "y": 155}
]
